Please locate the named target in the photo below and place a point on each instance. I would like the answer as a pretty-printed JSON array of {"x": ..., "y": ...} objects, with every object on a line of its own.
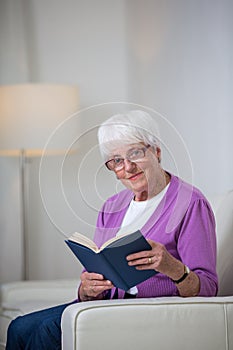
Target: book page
[
  {"x": 81, "y": 239},
  {"x": 114, "y": 239},
  {"x": 87, "y": 242}
]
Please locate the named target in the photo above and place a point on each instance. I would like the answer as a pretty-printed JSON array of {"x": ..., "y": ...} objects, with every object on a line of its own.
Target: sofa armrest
[{"x": 163, "y": 323}]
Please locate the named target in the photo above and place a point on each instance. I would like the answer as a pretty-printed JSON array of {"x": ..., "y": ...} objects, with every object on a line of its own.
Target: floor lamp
[{"x": 29, "y": 114}]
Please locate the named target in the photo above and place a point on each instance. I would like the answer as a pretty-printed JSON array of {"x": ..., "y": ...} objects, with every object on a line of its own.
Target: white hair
[{"x": 132, "y": 127}]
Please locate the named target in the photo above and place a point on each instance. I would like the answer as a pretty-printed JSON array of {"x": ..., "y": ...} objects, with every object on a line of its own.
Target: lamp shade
[{"x": 30, "y": 113}]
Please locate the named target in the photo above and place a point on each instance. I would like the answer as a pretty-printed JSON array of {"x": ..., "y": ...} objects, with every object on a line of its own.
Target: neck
[{"x": 160, "y": 184}]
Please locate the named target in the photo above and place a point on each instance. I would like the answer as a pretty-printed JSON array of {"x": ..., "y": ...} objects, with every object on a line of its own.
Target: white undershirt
[{"x": 137, "y": 215}]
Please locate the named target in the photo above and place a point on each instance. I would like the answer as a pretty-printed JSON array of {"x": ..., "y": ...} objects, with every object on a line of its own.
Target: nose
[{"x": 129, "y": 166}]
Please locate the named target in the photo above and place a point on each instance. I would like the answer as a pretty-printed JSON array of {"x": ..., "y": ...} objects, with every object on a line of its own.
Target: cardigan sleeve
[{"x": 197, "y": 245}]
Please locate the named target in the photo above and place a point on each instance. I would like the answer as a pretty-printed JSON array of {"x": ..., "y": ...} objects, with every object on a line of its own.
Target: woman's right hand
[{"x": 93, "y": 286}]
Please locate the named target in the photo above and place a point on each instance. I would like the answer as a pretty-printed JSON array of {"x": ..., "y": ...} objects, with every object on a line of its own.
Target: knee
[
  {"x": 15, "y": 332},
  {"x": 15, "y": 326},
  {"x": 49, "y": 334},
  {"x": 50, "y": 326}
]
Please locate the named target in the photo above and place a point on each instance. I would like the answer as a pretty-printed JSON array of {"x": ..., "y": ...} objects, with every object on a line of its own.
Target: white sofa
[{"x": 161, "y": 323}]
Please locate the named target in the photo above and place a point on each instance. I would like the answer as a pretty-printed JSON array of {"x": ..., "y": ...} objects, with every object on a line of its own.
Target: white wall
[
  {"x": 181, "y": 65},
  {"x": 14, "y": 64},
  {"x": 81, "y": 42},
  {"x": 174, "y": 56},
  {"x": 57, "y": 41}
]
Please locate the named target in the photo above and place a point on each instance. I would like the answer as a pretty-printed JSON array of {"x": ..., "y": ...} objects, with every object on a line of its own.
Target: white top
[{"x": 137, "y": 215}]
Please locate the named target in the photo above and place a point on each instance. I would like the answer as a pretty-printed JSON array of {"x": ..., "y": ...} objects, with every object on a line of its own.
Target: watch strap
[{"x": 182, "y": 278}]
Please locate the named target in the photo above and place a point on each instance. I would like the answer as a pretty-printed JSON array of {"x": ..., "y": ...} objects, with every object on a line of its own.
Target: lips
[{"x": 135, "y": 176}]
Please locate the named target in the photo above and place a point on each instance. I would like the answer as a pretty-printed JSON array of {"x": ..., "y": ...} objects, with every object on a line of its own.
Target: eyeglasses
[{"x": 133, "y": 155}]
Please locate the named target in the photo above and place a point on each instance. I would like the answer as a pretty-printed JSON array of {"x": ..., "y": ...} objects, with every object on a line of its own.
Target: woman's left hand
[{"x": 158, "y": 258}]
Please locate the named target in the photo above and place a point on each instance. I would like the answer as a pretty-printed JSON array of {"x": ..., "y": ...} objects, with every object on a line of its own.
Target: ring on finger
[{"x": 149, "y": 260}]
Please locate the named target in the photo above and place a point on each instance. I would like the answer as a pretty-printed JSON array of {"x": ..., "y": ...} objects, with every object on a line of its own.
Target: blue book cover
[{"x": 110, "y": 259}]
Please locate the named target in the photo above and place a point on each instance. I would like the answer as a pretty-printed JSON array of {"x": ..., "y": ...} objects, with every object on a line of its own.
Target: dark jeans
[{"x": 40, "y": 330}]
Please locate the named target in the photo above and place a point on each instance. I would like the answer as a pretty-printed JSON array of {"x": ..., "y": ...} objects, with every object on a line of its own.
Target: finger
[
  {"x": 98, "y": 283},
  {"x": 143, "y": 261},
  {"x": 139, "y": 255},
  {"x": 95, "y": 276},
  {"x": 96, "y": 290},
  {"x": 91, "y": 276},
  {"x": 152, "y": 243}
]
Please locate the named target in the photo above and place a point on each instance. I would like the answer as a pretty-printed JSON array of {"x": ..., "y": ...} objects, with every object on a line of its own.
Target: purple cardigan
[{"x": 183, "y": 222}]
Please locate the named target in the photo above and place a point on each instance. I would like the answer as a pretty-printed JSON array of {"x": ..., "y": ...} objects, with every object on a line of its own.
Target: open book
[{"x": 110, "y": 259}]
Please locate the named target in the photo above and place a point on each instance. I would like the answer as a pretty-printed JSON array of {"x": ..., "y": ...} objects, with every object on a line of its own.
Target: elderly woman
[{"x": 175, "y": 218}]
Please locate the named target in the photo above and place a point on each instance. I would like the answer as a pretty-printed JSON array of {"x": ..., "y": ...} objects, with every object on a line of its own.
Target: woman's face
[{"x": 144, "y": 176}]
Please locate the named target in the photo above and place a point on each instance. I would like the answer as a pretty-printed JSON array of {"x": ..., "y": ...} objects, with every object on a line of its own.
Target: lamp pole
[{"x": 23, "y": 214}]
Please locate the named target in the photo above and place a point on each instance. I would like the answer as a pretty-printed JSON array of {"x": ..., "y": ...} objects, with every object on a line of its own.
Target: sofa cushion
[{"x": 19, "y": 298}]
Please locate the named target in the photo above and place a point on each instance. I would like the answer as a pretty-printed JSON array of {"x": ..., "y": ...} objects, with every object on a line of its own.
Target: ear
[{"x": 158, "y": 153}]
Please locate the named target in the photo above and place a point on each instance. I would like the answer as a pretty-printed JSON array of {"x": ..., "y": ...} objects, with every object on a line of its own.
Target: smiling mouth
[{"x": 135, "y": 176}]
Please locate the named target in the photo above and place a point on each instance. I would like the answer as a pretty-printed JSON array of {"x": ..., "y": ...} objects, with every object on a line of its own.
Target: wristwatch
[{"x": 186, "y": 273}]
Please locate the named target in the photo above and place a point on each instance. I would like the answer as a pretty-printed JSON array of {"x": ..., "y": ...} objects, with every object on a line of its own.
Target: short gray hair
[{"x": 131, "y": 127}]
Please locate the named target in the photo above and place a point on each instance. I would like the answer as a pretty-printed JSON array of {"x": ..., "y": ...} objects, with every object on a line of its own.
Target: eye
[
  {"x": 117, "y": 161},
  {"x": 135, "y": 153}
]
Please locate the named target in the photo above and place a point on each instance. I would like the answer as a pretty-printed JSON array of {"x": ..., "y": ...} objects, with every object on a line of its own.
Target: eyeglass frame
[{"x": 143, "y": 149}]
